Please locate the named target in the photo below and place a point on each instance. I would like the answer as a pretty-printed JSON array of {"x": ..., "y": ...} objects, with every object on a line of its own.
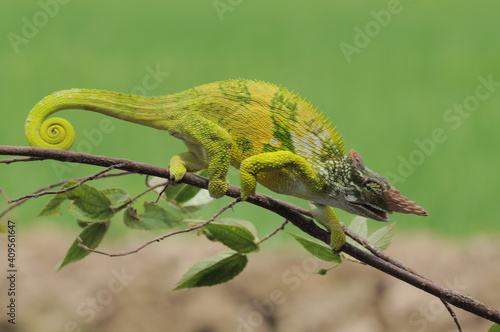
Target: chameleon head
[{"x": 370, "y": 195}]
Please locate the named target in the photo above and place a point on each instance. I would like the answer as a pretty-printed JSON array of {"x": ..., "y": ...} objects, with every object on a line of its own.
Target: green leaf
[
  {"x": 240, "y": 222},
  {"x": 213, "y": 270},
  {"x": 319, "y": 250},
  {"x": 91, "y": 236},
  {"x": 174, "y": 193},
  {"x": 116, "y": 196},
  {"x": 182, "y": 197},
  {"x": 181, "y": 193},
  {"x": 232, "y": 234},
  {"x": 359, "y": 225},
  {"x": 382, "y": 237},
  {"x": 153, "y": 217},
  {"x": 88, "y": 203},
  {"x": 494, "y": 328},
  {"x": 199, "y": 201}
]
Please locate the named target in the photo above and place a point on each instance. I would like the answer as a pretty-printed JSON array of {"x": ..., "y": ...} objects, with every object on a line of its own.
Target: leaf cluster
[{"x": 94, "y": 209}]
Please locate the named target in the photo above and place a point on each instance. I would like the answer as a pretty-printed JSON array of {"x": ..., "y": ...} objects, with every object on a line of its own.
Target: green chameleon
[{"x": 273, "y": 136}]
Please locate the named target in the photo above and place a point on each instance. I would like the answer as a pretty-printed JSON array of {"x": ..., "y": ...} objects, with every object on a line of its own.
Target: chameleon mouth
[{"x": 373, "y": 212}]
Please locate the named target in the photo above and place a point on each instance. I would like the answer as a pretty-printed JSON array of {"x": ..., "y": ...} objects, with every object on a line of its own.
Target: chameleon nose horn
[{"x": 399, "y": 203}]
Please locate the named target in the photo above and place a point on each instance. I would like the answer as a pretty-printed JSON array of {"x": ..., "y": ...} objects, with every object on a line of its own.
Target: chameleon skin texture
[{"x": 272, "y": 135}]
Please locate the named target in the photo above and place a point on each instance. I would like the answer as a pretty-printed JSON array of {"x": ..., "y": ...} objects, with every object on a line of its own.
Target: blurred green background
[{"x": 388, "y": 74}]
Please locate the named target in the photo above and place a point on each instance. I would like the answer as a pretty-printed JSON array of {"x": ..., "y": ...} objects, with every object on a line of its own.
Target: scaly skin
[{"x": 272, "y": 135}]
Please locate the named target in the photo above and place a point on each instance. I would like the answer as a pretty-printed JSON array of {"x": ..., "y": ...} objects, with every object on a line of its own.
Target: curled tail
[{"x": 58, "y": 133}]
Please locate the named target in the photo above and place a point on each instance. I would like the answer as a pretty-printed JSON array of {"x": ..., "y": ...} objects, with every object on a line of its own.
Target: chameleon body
[{"x": 273, "y": 136}]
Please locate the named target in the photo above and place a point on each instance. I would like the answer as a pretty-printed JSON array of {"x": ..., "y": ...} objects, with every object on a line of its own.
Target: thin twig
[
  {"x": 133, "y": 199},
  {"x": 53, "y": 185},
  {"x": 452, "y": 314},
  {"x": 280, "y": 228},
  {"x": 376, "y": 251},
  {"x": 160, "y": 238},
  {"x": 78, "y": 184},
  {"x": 16, "y": 160},
  {"x": 379, "y": 253}
]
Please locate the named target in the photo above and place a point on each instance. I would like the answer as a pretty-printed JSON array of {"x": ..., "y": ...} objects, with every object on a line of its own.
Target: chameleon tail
[{"x": 58, "y": 133}]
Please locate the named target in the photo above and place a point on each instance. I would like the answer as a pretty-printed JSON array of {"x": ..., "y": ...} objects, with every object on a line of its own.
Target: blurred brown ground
[{"x": 278, "y": 291}]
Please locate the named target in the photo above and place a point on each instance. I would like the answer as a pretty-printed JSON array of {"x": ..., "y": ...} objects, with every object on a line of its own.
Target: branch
[
  {"x": 78, "y": 184},
  {"x": 24, "y": 199},
  {"x": 286, "y": 210}
]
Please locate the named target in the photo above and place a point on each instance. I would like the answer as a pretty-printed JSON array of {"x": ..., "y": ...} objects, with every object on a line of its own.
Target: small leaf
[
  {"x": 240, "y": 222},
  {"x": 319, "y": 250},
  {"x": 91, "y": 236},
  {"x": 213, "y": 270},
  {"x": 324, "y": 271},
  {"x": 153, "y": 217},
  {"x": 196, "y": 203},
  {"x": 181, "y": 193},
  {"x": 382, "y": 237},
  {"x": 176, "y": 193},
  {"x": 116, "y": 196},
  {"x": 182, "y": 197},
  {"x": 233, "y": 235},
  {"x": 494, "y": 328},
  {"x": 89, "y": 216},
  {"x": 359, "y": 225},
  {"x": 90, "y": 204}
]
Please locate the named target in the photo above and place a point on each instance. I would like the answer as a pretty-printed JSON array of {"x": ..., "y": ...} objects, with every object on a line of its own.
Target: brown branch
[
  {"x": 16, "y": 160},
  {"x": 285, "y": 210},
  {"x": 20, "y": 201},
  {"x": 78, "y": 184}
]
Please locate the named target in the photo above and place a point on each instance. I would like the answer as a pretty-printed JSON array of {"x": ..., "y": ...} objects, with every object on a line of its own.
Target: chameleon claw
[
  {"x": 217, "y": 188},
  {"x": 337, "y": 241}
]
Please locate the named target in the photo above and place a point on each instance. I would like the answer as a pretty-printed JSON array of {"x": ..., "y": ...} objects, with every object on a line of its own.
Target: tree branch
[
  {"x": 293, "y": 214},
  {"x": 79, "y": 183}
]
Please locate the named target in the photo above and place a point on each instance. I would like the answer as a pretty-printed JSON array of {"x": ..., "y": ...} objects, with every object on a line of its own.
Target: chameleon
[{"x": 272, "y": 135}]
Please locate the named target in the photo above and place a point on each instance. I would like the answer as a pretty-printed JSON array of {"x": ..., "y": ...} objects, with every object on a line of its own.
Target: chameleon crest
[{"x": 272, "y": 135}]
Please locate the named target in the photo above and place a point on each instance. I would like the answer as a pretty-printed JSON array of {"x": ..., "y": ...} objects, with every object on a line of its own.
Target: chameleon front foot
[
  {"x": 326, "y": 216},
  {"x": 177, "y": 172},
  {"x": 248, "y": 184},
  {"x": 337, "y": 240},
  {"x": 217, "y": 188}
]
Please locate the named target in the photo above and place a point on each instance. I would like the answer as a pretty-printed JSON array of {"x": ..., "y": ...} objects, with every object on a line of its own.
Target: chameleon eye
[{"x": 373, "y": 187}]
